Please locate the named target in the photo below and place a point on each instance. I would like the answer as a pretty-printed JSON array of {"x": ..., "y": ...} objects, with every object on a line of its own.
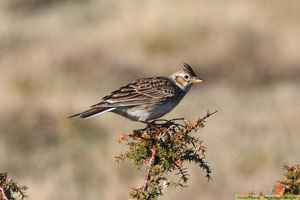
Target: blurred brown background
[{"x": 57, "y": 57}]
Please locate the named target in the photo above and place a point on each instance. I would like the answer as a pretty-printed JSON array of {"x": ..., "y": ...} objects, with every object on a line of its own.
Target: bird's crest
[{"x": 188, "y": 69}]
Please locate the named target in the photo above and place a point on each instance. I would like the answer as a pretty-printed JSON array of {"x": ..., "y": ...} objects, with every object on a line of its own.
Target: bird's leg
[{"x": 152, "y": 126}]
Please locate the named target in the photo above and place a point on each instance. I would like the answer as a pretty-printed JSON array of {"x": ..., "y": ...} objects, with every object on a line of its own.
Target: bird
[{"x": 146, "y": 98}]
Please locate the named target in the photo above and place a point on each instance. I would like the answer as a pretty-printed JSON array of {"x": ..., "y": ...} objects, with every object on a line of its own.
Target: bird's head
[{"x": 185, "y": 77}]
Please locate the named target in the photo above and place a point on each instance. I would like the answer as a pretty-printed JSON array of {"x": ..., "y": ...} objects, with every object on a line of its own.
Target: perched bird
[{"x": 146, "y": 98}]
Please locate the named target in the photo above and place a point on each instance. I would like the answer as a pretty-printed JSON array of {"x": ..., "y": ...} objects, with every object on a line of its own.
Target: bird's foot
[{"x": 153, "y": 126}]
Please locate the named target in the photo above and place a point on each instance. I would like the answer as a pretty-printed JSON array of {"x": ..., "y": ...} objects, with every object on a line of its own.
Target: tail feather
[{"x": 92, "y": 112}]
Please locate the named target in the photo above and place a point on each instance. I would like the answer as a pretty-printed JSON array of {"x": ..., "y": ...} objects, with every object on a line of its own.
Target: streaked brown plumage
[{"x": 146, "y": 98}]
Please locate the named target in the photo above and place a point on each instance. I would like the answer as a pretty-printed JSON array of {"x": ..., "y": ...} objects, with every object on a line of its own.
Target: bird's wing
[{"x": 142, "y": 91}]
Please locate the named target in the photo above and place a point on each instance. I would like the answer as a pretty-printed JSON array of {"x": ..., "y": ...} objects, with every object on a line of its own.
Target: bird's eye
[{"x": 186, "y": 77}]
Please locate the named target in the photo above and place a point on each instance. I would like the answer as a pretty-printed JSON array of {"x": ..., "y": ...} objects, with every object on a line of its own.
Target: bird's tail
[{"x": 92, "y": 112}]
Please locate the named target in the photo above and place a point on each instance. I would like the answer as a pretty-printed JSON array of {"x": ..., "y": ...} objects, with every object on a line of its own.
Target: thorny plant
[
  {"x": 291, "y": 183},
  {"x": 164, "y": 146},
  {"x": 9, "y": 188}
]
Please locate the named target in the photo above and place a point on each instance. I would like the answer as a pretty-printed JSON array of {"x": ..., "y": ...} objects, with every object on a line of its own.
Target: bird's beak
[{"x": 197, "y": 80}]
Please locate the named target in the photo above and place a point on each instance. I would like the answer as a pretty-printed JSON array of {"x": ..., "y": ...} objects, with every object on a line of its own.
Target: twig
[
  {"x": 208, "y": 115},
  {"x": 22, "y": 195}
]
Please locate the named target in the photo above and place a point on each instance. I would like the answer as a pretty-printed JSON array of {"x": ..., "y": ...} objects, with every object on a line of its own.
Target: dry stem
[{"x": 150, "y": 164}]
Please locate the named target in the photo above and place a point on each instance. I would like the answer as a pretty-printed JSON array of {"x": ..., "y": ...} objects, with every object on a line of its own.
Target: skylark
[{"x": 146, "y": 98}]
